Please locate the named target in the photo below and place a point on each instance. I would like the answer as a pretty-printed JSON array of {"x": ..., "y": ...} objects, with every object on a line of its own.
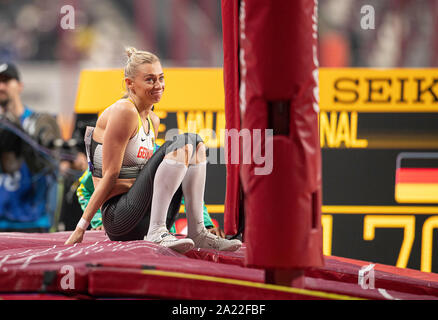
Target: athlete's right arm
[{"x": 121, "y": 123}]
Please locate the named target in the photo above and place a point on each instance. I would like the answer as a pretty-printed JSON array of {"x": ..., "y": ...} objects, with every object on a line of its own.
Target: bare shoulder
[
  {"x": 123, "y": 110},
  {"x": 123, "y": 115},
  {"x": 120, "y": 119},
  {"x": 124, "y": 106}
]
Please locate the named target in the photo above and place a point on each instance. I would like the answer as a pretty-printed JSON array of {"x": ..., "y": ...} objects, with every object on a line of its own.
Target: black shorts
[{"x": 126, "y": 216}]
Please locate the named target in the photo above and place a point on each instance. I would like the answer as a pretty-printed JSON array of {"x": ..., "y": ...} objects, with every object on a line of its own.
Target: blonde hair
[{"x": 137, "y": 58}]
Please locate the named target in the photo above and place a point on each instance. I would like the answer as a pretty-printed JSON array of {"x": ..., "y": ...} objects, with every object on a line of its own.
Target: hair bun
[
  {"x": 130, "y": 51},
  {"x": 136, "y": 58}
]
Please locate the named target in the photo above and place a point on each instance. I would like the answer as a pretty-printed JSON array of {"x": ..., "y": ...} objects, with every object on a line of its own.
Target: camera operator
[{"x": 24, "y": 194}]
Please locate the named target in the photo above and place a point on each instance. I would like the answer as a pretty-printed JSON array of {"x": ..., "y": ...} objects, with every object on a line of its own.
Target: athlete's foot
[
  {"x": 208, "y": 240},
  {"x": 168, "y": 240}
]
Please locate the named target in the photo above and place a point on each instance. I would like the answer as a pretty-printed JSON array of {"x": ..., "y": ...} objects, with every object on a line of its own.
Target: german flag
[{"x": 416, "y": 185}]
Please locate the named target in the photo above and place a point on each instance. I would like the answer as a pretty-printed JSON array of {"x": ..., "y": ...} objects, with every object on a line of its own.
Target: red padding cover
[
  {"x": 33, "y": 262},
  {"x": 403, "y": 283},
  {"x": 128, "y": 282},
  {"x": 230, "y": 26},
  {"x": 278, "y": 63}
]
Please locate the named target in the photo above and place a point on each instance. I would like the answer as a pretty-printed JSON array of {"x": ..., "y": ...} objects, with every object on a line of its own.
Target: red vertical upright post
[
  {"x": 230, "y": 27},
  {"x": 281, "y": 168}
]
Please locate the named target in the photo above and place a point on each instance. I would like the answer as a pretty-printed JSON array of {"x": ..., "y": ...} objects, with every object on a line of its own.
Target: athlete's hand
[
  {"x": 98, "y": 228},
  {"x": 76, "y": 236},
  {"x": 217, "y": 231}
]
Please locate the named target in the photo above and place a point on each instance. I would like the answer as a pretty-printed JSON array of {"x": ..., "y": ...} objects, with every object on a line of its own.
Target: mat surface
[{"x": 39, "y": 265}]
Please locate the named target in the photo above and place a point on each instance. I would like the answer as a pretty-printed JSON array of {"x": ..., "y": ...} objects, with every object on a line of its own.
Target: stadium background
[{"x": 358, "y": 181}]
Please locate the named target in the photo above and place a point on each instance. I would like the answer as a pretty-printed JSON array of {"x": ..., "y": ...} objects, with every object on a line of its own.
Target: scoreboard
[{"x": 379, "y": 139}]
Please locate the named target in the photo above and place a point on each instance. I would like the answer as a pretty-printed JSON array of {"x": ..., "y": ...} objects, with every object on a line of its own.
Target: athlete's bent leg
[
  {"x": 168, "y": 178},
  {"x": 193, "y": 186},
  {"x": 126, "y": 217}
]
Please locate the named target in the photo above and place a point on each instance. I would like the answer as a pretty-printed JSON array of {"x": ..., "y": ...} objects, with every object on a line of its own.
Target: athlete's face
[{"x": 148, "y": 84}]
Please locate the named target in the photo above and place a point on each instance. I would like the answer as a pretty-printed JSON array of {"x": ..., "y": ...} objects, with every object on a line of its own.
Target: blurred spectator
[
  {"x": 188, "y": 33},
  {"x": 71, "y": 211},
  {"x": 335, "y": 51},
  {"x": 30, "y": 31},
  {"x": 404, "y": 34},
  {"x": 27, "y": 198}
]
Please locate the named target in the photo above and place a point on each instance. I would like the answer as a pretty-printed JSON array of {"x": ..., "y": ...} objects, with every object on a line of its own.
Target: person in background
[
  {"x": 70, "y": 172},
  {"x": 25, "y": 203}
]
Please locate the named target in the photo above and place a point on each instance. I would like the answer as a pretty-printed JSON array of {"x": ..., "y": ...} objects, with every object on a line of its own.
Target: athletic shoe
[
  {"x": 168, "y": 240},
  {"x": 208, "y": 240}
]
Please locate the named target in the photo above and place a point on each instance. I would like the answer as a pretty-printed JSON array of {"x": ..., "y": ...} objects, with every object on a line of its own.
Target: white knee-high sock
[
  {"x": 167, "y": 180},
  {"x": 193, "y": 186}
]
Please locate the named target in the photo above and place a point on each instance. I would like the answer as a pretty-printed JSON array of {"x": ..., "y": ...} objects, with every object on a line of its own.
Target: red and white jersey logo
[{"x": 144, "y": 153}]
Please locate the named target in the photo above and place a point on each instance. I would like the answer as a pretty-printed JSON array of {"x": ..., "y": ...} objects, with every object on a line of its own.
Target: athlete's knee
[
  {"x": 188, "y": 150},
  {"x": 201, "y": 147},
  {"x": 184, "y": 146},
  {"x": 196, "y": 145},
  {"x": 181, "y": 153},
  {"x": 200, "y": 153},
  {"x": 194, "y": 138}
]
